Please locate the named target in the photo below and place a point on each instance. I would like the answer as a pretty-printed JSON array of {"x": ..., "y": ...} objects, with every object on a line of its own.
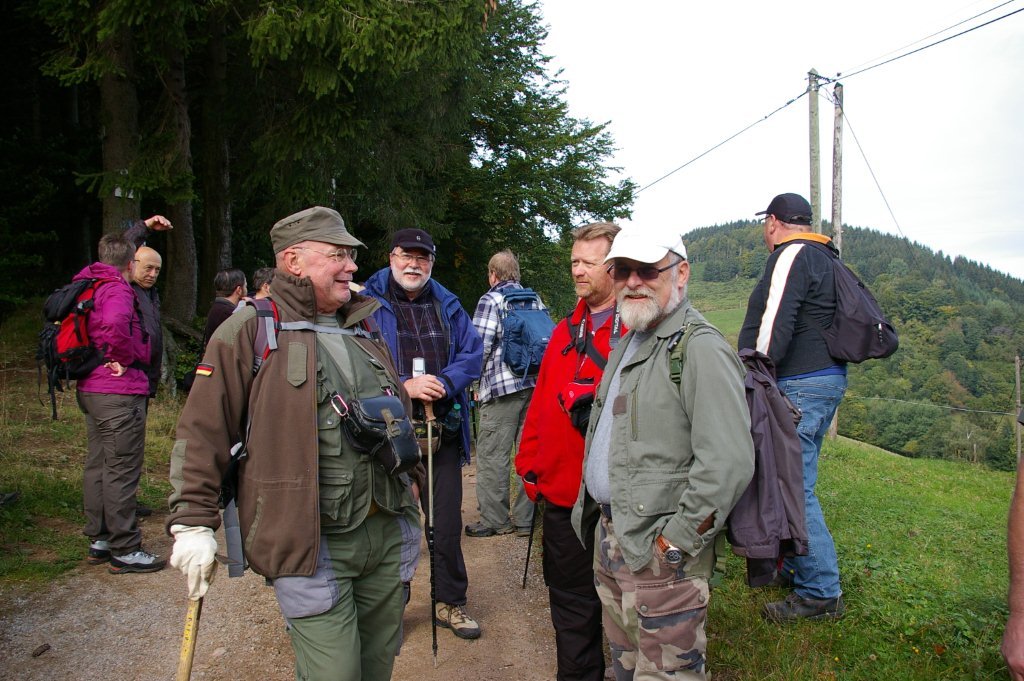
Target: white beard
[
  {"x": 398, "y": 272},
  {"x": 644, "y": 314}
]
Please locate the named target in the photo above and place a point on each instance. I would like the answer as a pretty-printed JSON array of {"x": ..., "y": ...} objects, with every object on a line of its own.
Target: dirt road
[{"x": 103, "y": 626}]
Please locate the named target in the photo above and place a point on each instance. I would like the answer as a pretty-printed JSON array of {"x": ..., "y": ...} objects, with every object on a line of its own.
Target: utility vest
[{"x": 352, "y": 485}]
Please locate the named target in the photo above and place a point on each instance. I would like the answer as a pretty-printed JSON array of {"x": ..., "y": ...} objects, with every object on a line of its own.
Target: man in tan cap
[{"x": 318, "y": 517}]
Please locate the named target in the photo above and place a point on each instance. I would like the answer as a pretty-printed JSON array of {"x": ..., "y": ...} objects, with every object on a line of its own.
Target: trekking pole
[
  {"x": 188, "y": 640},
  {"x": 529, "y": 547},
  {"x": 428, "y": 410}
]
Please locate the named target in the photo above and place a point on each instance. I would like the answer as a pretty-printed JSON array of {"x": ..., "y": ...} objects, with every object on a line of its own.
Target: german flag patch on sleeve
[{"x": 204, "y": 369}]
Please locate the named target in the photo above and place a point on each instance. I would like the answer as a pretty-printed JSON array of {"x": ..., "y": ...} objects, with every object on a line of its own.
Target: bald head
[{"x": 147, "y": 267}]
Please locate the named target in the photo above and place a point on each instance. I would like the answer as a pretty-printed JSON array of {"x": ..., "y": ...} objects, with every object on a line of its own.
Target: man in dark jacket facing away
[
  {"x": 794, "y": 299},
  {"x": 419, "y": 317},
  {"x": 318, "y": 515}
]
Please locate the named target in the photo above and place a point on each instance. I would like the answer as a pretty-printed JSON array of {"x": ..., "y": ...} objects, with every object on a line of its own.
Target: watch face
[{"x": 673, "y": 556}]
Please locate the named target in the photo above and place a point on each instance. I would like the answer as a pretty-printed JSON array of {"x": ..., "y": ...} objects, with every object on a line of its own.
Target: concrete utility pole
[
  {"x": 812, "y": 83},
  {"x": 837, "y": 170}
]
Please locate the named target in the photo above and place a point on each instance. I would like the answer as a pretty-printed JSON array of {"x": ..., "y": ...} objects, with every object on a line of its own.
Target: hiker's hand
[
  {"x": 1013, "y": 646},
  {"x": 426, "y": 387},
  {"x": 158, "y": 223},
  {"x": 116, "y": 369},
  {"x": 195, "y": 554}
]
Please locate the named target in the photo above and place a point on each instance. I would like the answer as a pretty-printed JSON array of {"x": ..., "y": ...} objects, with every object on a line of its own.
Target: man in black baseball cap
[
  {"x": 794, "y": 298},
  {"x": 792, "y": 209}
]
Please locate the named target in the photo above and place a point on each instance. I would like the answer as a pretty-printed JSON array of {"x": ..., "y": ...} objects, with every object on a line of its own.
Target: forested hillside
[{"x": 948, "y": 392}]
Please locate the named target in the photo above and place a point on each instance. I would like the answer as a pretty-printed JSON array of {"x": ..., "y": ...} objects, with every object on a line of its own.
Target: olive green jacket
[{"x": 681, "y": 454}]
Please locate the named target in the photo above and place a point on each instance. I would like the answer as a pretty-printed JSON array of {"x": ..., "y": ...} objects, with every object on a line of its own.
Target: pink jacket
[{"x": 116, "y": 328}]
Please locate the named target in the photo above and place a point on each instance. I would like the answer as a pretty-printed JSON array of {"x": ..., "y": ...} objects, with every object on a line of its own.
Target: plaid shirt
[
  {"x": 420, "y": 331},
  {"x": 497, "y": 379}
]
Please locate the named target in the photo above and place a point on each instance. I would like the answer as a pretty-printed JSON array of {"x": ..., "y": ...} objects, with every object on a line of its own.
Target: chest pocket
[{"x": 336, "y": 473}]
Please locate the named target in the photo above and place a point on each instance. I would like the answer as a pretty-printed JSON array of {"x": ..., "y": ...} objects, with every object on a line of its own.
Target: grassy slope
[{"x": 921, "y": 542}]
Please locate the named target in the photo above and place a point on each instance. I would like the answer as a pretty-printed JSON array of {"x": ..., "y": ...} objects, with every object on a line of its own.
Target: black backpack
[{"x": 859, "y": 329}]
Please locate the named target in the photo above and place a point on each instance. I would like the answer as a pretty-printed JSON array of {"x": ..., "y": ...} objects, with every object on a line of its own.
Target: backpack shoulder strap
[{"x": 677, "y": 343}]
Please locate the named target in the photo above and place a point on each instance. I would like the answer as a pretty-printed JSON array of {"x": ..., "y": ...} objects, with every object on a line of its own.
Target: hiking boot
[
  {"x": 523, "y": 531},
  {"x": 481, "y": 530},
  {"x": 456, "y": 618},
  {"x": 142, "y": 511},
  {"x": 799, "y": 608},
  {"x": 136, "y": 561},
  {"x": 99, "y": 552}
]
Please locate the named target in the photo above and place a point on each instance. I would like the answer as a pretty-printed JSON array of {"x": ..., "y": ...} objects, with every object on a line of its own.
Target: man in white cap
[
  {"x": 317, "y": 514},
  {"x": 668, "y": 454}
]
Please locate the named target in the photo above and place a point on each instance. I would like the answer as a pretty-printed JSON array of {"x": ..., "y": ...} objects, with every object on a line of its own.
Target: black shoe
[
  {"x": 136, "y": 561},
  {"x": 799, "y": 608},
  {"x": 481, "y": 530},
  {"x": 143, "y": 511}
]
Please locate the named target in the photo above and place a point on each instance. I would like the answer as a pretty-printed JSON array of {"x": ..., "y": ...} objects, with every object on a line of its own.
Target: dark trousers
[
  {"x": 451, "y": 580},
  {"x": 575, "y": 606},
  {"x": 116, "y": 427}
]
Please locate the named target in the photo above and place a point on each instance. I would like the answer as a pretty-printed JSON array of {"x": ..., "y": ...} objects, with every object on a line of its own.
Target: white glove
[{"x": 194, "y": 553}]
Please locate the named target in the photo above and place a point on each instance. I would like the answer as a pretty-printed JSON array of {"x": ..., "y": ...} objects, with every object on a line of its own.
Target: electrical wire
[
  {"x": 925, "y": 47},
  {"x": 727, "y": 139},
  {"x": 867, "y": 163},
  {"x": 935, "y": 406},
  {"x": 932, "y": 35}
]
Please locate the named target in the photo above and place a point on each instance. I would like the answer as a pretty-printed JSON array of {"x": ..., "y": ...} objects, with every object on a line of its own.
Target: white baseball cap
[{"x": 646, "y": 245}]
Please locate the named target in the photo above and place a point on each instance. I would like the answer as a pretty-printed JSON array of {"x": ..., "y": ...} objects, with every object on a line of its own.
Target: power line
[
  {"x": 925, "y": 47},
  {"x": 935, "y": 406},
  {"x": 727, "y": 139},
  {"x": 932, "y": 35}
]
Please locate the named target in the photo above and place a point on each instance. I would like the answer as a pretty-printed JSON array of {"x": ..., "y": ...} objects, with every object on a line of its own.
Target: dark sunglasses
[{"x": 645, "y": 272}]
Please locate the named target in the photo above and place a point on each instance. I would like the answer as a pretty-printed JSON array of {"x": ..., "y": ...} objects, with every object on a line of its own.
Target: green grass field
[{"x": 921, "y": 543}]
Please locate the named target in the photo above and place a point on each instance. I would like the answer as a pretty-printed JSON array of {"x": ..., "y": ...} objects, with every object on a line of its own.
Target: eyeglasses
[
  {"x": 407, "y": 258},
  {"x": 645, "y": 272},
  {"x": 339, "y": 255}
]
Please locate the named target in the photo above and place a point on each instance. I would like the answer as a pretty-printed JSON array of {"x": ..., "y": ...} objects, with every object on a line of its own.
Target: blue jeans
[{"x": 815, "y": 575}]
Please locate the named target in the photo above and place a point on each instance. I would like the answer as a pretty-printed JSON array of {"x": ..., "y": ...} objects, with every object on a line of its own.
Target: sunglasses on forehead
[{"x": 645, "y": 272}]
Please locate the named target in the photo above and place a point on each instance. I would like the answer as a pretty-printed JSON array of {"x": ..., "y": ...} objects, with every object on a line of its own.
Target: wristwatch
[{"x": 670, "y": 554}]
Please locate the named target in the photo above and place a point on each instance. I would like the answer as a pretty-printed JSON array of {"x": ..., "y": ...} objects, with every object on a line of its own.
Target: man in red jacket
[{"x": 550, "y": 458}]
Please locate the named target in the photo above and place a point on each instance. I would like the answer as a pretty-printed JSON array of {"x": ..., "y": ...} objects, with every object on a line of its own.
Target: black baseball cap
[
  {"x": 789, "y": 208},
  {"x": 411, "y": 238}
]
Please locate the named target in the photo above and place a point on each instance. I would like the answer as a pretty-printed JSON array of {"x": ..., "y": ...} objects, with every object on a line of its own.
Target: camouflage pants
[{"x": 654, "y": 619}]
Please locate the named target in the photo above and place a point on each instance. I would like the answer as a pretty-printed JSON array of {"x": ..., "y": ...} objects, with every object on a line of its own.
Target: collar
[{"x": 806, "y": 236}]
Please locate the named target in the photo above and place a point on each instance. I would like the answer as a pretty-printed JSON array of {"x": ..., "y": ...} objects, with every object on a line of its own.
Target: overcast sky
[{"x": 941, "y": 129}]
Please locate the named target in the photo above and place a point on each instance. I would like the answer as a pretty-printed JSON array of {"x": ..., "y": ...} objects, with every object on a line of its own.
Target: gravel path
[{"x": 103, "y": 626}]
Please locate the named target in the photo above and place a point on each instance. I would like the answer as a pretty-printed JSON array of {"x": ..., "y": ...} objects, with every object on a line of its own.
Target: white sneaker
[{"x": 136, "y": 561}]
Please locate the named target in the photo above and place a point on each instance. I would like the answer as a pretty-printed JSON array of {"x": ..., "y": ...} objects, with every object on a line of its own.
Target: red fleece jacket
[{"x": 551, "y": 448}]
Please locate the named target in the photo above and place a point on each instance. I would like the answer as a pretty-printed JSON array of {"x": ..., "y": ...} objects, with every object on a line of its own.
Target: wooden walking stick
[{"x": 188, "y": 640}]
